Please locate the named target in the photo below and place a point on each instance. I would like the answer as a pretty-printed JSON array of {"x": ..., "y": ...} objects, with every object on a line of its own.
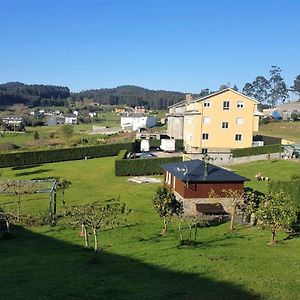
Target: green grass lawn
[
  {"x": 282, "y": 129},
  {"x": 136, "y": 262}
]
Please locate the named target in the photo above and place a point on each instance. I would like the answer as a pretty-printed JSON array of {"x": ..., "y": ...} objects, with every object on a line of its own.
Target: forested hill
[
  {"x": 131, "y": 95},
  {"x": 33, "y": 94},
  {"x": 47, "y": 95}
]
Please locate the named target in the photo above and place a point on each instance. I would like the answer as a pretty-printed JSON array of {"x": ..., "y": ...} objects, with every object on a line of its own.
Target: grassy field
[
  {"x": 287, "y": 130},
  {"x": 136, "y": 262}
]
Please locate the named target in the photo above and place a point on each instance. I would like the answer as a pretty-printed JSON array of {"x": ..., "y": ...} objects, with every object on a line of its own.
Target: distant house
[
  {"x": 55, "y": 120},
  {"x": 192, "y": 182},
  {"x": 12, "y": 122},
  {"x": 133, "y": 122},
  {"x": 284, "y": 111},
  {"x": 70, "y": 119},
  {"x": 139, "y": 109}
]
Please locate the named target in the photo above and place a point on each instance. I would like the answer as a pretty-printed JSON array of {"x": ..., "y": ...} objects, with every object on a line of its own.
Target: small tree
[
  {"x": 67, "y": 129},
  {"x": 97, "y": 216},
  {"x": 236, "y": 203},
  {"x": 63, "y": 185},
  {"x": 166, "y": 204},
  {"x": 36, "y": 135},
  {"x": 194, "y": 223},
  {"x": 277, "y": 212},
  {"x": 8, "y": 218}
]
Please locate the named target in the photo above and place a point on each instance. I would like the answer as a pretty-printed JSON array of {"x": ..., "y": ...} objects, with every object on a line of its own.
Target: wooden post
[
  {"x": 50, "y": 209},
  {"x": 54, "y": 212}
]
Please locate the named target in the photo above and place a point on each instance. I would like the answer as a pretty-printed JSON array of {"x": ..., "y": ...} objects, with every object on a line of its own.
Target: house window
[
  {"x": 190, "y": 137},
  {"x": 225, "y": 105},
  {"x": 238, "y": 137},
  {"x": 206, "y": 103},
  {"x": 204, "y": 136},
  {"x": 239, "y": 121},
  {"x": 240, "y": 104},
  {"x": 204, "y": 151},
  {"x": 206, "y": 120},
  {"x": 225, "y": 125}
]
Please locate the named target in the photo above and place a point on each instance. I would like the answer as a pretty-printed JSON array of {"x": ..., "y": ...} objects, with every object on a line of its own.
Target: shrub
[
  {"x": 56, "y": 155},
  {"x": 138, "y": 167},
  {"x": 256, "y": 150}
]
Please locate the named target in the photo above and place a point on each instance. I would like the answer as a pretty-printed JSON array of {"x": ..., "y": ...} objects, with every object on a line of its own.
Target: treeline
[
  {"x": 132, "y": 96},
  {"x": 33, "y": 94}
]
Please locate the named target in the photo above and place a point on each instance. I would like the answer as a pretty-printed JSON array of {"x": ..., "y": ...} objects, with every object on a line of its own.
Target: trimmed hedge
[
  {"x": 139, "y": 167},
  {"x": 65, "y": 154},
  {"x": 256, "y": 150}
]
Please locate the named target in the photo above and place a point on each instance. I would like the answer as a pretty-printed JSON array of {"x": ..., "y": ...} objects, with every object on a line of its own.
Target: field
[
  {"x": 135, "y": 261},
  {"x": 287, "y": 130}
]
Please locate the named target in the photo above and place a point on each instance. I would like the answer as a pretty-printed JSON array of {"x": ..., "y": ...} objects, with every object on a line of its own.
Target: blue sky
[{"x": 171, "y": 45}]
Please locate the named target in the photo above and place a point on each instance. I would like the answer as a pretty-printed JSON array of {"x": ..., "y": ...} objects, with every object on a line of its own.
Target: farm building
[
  {"x": 133, "y": 122},
  {"x": 193, "y": 181}
]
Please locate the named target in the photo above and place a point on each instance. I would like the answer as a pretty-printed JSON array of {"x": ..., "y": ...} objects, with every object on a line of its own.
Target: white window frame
[
  {"x": 226, "y": 105},
  {"x": 239, "y": 121},
  {"x": 206, "y": 103},
  {"x": 238, "y": 137},
  {"x": 206, "y": 120},
  {"x": 240, "y": 104},
  {"x": 205, "y": 136},
  {"x": 225, "y": 127}
]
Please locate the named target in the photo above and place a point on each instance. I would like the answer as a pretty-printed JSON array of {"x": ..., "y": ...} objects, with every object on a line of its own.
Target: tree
[
  {"x": 67, "y": 129},
  {"x": 296, "y": 87},
  {"x": 166, "y": 205},
  {"x": 237, "y": 202},
  {"x": 97, "y": 216},
  {"x": 36, "y": 135},
  {"x": 277, "y": 212},
  {"x": 278, "y": 89},
  {"x": 235, "y": 88},
  {"x": 63, "y": 185},
  {"x": 248, "y": 89},
  {"x": 261, "y": 89}
]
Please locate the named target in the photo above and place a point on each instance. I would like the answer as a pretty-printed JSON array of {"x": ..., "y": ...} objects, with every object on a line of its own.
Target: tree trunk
[
  {"x": 273, "y": 240},
  {"x": 196, "y": 231},
  {"x": 231, "y": 226},
  {"x": 63, "y": 198},
  {"x": 19, "y": 207},
  {"x": 95, "y": 244},
  {"x": 86, "y": 237},
  {"x": 165, "y": 227},
  {"x": 190, "y": 232},
  {"x": 180, "y": 233},
  {"x": 7, "y": 226}
]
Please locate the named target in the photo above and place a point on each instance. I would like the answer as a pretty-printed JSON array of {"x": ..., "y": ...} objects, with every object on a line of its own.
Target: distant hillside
[
  {"x": 33, "y": 94},
  {"x": 48, "y": 95},
  {"x": 131, "y": 95}
]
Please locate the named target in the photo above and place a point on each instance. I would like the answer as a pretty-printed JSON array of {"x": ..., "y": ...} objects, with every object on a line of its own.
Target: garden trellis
[{"x": 29, "y": 187}]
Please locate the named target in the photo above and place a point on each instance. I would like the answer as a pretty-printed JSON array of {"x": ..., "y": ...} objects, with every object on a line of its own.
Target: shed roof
[{"x": 193, "y": 171}]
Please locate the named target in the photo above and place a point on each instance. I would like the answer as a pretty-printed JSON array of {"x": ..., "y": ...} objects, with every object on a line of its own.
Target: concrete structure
[
  {"x": 175, "y": 119},
  {"x": 220, "y": 122},
  {"x": 133, "y": 122}
]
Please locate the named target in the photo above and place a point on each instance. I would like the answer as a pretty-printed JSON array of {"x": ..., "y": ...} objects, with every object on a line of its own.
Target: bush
[
  {"x": 56, "y": 155},
  {"x": 256, "y": 150},
  {"x": 139, "y": 167}
]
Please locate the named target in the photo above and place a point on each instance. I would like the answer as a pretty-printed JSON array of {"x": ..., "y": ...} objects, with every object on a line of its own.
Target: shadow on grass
[
  {"x": 25, "y": 167},
  {"x": 34, "y": 266},
  {"x": 33, "y": 172}
]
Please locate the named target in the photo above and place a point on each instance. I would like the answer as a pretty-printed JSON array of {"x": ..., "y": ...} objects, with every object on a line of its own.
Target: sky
[{"x": 157, "y": 44}]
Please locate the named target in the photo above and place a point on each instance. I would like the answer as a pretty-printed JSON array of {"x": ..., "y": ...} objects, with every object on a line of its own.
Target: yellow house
[{"x": 219, "y": 122}]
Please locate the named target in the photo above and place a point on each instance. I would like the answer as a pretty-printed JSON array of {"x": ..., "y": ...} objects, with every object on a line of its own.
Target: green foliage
[
  {"x": 277, "y": 212},
  {"x": 256, "y": 150},
  {"x": 136, "y": 167},
  {"x": 65, "y": 154},
  {"x": 166, "y": 205},
  {"x": 67, "y": 129},
  {"x": 36, "y": 135}
]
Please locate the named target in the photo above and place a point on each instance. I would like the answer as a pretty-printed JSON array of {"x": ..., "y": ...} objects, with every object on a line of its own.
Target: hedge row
[
  {"x": 256, "y": 150},
  {"x": 139, "y": 167},
  {"x": 64, "y": 154}
]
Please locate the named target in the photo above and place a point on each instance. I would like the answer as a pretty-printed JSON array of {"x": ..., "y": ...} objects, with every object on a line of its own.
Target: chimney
[{"x": 188, "y": 98}]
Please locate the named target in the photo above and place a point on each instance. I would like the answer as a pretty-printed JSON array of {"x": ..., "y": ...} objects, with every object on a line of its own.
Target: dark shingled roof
[{"x": 193, "y": 171}]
